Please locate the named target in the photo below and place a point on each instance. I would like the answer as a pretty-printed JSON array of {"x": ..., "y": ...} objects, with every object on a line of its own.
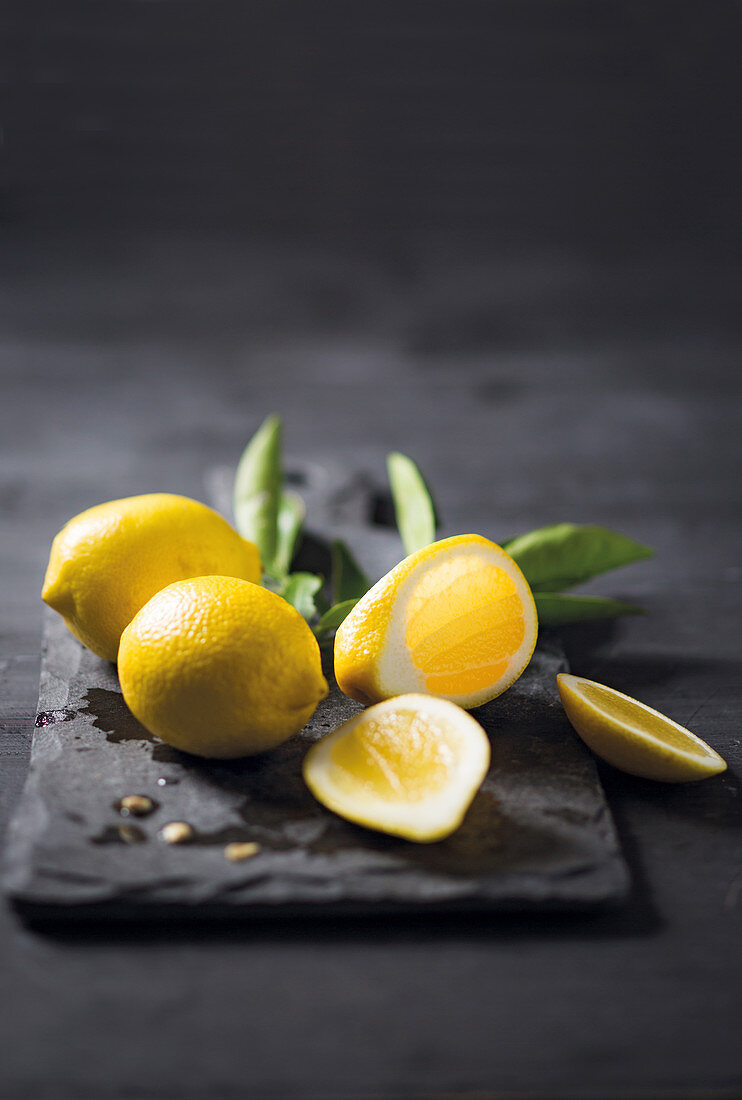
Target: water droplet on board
[{"x": 49, "y": 717}]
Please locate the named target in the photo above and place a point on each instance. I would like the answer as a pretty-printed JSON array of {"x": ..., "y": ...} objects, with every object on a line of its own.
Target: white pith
[
  {"x": 433, "y": 815},
  {"x": 396, "y": 670}
]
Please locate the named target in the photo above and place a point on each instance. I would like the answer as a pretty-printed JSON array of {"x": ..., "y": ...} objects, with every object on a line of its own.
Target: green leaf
[
  {"x": 291, "y": 514},
  {"x": 300, "y": 590},
  {"x": 332, "y": 619},
  {"x": 555, "y": 609},
  {"x": 413, "y": 505},
  {"x": 349, "y": 582},
  {"x": 257, "y": 490},
  {"x": 567, "y": 554}
]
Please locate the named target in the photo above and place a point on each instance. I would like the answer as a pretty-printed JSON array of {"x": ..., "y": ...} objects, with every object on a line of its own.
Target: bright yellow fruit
[
  {"x": 108, "y": 561},
  {"x": 409, "y": 766},
  {"x": 220, "y": 667},
  {"x": 632, "y": 736},
  {"x": 456, "y": 619}
]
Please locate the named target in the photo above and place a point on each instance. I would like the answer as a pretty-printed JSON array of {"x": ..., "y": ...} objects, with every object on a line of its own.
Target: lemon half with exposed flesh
[
  {"x": 108, "y": 561},
  {"x": 409, "y": 766},
  {"x": 632, "y": 736},
  {"x": 456, "y": 619}
]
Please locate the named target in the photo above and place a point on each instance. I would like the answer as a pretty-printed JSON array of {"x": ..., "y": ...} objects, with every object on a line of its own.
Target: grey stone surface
[{"x": 538, "y": 833}]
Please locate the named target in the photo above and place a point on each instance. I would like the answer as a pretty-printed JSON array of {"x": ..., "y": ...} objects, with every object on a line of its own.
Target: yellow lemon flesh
[
  {"x": 220, "y": 667},
  {"x": 409, "y": 766},
  {"x": 108, "y": 561},
  {"x": 456, "y": 619},
  {"x": 632, "y": 736}
]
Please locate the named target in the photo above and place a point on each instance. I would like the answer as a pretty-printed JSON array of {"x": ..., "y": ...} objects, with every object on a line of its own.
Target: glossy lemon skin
[
  {"x": 220, "y": 667},
  {"x": 107, "y": 562},
  {"x": 362, "y": 640},
  {"x": 633, "y": 737}
]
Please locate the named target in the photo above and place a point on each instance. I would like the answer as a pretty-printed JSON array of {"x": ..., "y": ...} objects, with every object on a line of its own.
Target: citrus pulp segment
[
  {"x": 632, "y": 736},
  {"x": 409, "y": 766},
  {"x": 456, "y": 619}
]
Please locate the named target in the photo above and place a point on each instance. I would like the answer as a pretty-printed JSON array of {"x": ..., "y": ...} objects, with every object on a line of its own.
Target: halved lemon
[
  {"x": 632, "y": 736},
  {"x": 409, "y": 766},
  {"x": 456, "y": 619}
]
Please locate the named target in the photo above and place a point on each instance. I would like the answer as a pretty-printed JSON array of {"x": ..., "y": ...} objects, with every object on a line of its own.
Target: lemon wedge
[
  {"x": 409, "y": 766},
  {"x": 632, "y": 736},
  {"x": 456, "y": 620}
]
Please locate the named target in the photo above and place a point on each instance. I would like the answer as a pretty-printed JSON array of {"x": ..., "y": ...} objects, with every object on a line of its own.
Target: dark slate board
[{"x": 538, "y": 834}]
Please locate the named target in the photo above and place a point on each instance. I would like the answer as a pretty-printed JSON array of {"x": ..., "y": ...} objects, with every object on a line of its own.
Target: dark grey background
[
  {"x": 503, "y": 237},
  {"x": 601, "y": 126}
]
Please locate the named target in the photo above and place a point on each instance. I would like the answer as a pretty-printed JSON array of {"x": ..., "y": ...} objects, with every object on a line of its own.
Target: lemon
[
  {"x": 108, "y": 561},
  {"x": 220, "y": 667},
  {"x": 409, "y": 766},
  {"x": 632, "y": 736},
  {"x": 456, "y": 619}
]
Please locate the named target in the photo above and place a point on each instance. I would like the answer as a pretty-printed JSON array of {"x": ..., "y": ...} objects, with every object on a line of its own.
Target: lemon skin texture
[
  {"x": 220, "y": 667},
  {"x": 107, "y": 562}
]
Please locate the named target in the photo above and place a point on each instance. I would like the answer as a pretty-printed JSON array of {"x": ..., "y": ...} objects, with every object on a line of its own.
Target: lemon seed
[
  {"x": 137, "y": 804},
  {"x": 131, "y": 834},
  {"x": 176, "y": 832},
  {"x": 238, "y": 851}
]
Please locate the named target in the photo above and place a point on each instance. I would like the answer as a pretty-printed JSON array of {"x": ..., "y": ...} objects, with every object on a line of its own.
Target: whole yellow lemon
[
  {"x": 220, "y": 667},
  {"x": 106, "y": 563}
]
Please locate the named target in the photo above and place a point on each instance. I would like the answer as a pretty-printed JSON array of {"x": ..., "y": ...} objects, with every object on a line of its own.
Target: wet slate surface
[{"x": 539, "y": 832}]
